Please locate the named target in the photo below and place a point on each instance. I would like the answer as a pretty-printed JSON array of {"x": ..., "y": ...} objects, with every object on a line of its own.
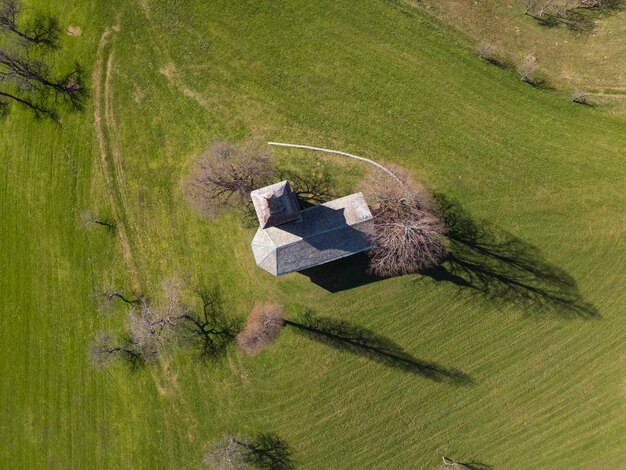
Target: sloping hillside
[{"x": 531, "y": 311}]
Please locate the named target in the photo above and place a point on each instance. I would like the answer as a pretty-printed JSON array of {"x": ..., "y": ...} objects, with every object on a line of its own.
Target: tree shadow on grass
[
  {"x": 357, "y": 340},
  {"x": 476, "y": 465},
  {"x": 541, "y": 83},
  {"x": 481, "y": 259},
  {"x": 268, "y": 451},
  {"x": 500, "y": 266},
  {"x": 209, "y": 329},
  {"x": 473, "y": 465}
]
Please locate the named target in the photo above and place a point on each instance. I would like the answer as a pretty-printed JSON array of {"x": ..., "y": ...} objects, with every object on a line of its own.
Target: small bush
[
  {"x": 580, "y": 98},
  {"x": 486, "y": 50},
  {"x": 264, "y": 324},
  {"x": 527, "y": 69}
]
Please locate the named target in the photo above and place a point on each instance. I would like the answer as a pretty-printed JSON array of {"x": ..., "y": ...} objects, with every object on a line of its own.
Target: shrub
[
  {"x": 486, "y": 50},
  {"x": 528, "y": 68},
  {"x": 264, "y": 324},
  {"x": 580, "y": 98}
]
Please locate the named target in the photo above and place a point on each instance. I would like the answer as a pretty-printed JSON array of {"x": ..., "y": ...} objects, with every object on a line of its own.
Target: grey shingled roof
[
  {"x": 275, "y": 204},
  {"x": 324, "y": 233}
]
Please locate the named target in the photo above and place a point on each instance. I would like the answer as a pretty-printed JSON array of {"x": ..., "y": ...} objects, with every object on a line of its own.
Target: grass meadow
[{"x": 532, "y": 312}]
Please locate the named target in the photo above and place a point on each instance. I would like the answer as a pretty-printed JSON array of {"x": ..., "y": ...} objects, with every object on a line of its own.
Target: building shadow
[
  {"x": 345, "y": 336},
  {"x": 495, "y": 264},
  {"x": 342, "y": 274},
  {"x": 325, "y": 218}
]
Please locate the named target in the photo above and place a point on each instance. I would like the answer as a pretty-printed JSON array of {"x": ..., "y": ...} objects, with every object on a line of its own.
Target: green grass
[{"x": 380, "y": 81}]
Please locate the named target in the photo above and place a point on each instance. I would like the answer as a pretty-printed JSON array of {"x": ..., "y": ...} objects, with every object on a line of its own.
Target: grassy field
[
  {"x": 538, "y": 326},
  {"x": 591, "y": 62}
]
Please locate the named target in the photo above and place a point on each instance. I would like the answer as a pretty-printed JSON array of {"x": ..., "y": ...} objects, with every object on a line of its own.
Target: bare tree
[
  {"x": 264, "y": 324},
  {"x": 105, "y": 349},
  {"x": 88, "y": 219},
  {"x": 43, "y": 30},
  {"x": 569, "y": 13},
  {"x": 409, "y": 236},
  {"x": 24, "y": 76},
  {"x": 226, "y": 174},
  {"x": 542, "y": 8},
  {"x": 106, "y": 300},
  {"x": 538, "y": 8},
  {"x": 229, "y": 453},
  {"x": 593, "y": 4},
  {"x": 154, "y": 329},
  {"x": 157, "y": 328},
  {"x": 149, "y": 331},
  {"x": 551, "y": 10},
  {"x": 264, "y": 451}
]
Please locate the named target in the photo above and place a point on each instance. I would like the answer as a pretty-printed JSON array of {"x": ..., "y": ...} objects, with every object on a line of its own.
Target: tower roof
[{"x": 275, "y": 204}]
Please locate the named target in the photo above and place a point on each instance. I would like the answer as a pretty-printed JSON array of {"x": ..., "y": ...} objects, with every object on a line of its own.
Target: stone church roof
[{"x": 321, "y": 234}]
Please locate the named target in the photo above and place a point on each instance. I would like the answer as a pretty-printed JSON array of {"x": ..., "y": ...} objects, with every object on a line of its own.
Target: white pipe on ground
[{"x": 345, "y": 154}]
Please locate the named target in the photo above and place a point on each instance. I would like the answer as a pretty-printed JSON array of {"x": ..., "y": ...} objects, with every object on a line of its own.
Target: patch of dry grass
[{"x": 587, "y": 62}]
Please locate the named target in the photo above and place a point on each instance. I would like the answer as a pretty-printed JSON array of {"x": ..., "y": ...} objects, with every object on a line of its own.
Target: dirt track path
[
  {"x": 111, "y": 161},
  {"x": 609, "y": 91},
  {"x": 110, "y": 158}
]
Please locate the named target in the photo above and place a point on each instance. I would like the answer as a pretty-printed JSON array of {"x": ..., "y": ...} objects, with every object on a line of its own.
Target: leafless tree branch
[
  {"x": 226, "y": 174},
  {"x": 409, "y": 236}
]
